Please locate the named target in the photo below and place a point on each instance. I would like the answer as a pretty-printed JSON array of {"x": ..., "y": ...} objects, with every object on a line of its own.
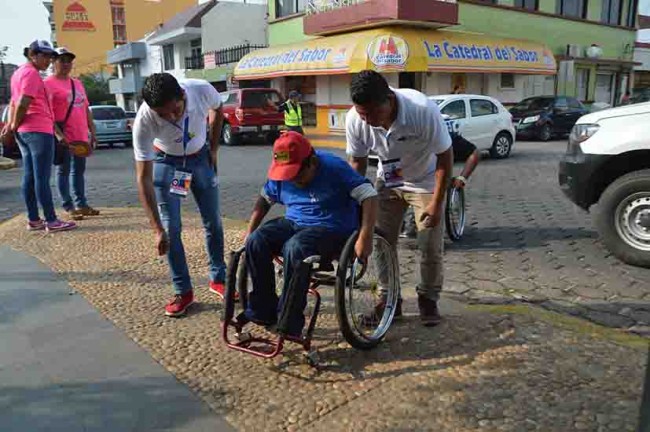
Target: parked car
[
  {"x": 640, "y": 95},
  {"x": 544, "y": 117},
  {"x": 111, "y": 125},
  {"x": 482, "y": 120},
  {"x": 607, "y": 163},
  {"x": 10, "y": 147},
  {"x": 251, "y": 113}
]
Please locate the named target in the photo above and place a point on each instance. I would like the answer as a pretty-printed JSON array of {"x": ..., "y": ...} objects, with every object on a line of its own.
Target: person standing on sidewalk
[
  {"x": 32, "y": 122},
  {"x": 73, "y": 116},
  {"x": 408, "y": 133},
  {"x": 173, "y": 157},
  {"x": 293, "y": 112}
]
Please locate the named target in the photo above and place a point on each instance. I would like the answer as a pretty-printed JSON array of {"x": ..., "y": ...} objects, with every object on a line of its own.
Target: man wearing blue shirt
[{"x": 322, "y": 194}]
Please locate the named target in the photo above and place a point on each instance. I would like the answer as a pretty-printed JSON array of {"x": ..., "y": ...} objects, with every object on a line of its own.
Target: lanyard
[{"x": 186, "y": 135}]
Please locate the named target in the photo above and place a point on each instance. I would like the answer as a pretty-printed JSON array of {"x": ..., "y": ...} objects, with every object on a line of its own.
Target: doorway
[{"x": 407, "y": 80}]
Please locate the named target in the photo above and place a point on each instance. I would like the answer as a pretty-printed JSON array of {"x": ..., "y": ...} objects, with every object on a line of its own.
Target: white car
[
  {"x": 481, "y": 120},
  {"x": 607, "y": 167}
]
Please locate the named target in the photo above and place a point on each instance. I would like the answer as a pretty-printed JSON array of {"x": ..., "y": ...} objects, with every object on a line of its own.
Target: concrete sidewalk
[{"x": 64, "y": 367}]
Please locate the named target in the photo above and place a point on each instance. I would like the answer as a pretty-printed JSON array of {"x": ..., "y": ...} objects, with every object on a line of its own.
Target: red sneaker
[
  {"x": 179, "y": 304},
  {"x": 219, "y": 289},
  {"x": 38, "y": 225}
]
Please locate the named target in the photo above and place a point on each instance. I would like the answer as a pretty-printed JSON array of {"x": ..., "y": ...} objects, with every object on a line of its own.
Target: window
[
  {"x": 582, "y": 83},
  {"x": 611, "y": 12},
  {"x": 630, "y": 20},
  {"x": 285, "y": 8},
  {"x": 561, "y": 104},
  {"x": 168, "y": 57},
  {"x": 482, "y": 107},
  {"x": 574, "y": 104},
  {"x": 527, "y": 4},
  {"x": 507, "y": 81},
  {"x": 455, "y": 110},
  {"x": 119, "y": 23},
  {"x": 571, "y": 8},
  {"x": 231, "y": 98},
  {"x": 195, "y": 47},
  {"x": 260, "y": 98}
]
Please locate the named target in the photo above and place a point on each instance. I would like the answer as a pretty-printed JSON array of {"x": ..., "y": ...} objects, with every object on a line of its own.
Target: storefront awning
[{"x": 393, "y": 49}]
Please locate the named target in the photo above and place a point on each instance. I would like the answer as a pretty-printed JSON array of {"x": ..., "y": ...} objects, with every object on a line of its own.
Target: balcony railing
[
  {"x": 229, "y": 55},
  {"x": 194, "y": 62}
]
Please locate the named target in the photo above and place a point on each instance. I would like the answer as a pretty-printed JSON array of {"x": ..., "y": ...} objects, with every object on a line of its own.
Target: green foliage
[{"x": 97, "y": 89}]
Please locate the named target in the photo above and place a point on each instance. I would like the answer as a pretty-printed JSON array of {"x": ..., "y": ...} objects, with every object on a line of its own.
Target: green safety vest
[{"x": 293, "y": 115}]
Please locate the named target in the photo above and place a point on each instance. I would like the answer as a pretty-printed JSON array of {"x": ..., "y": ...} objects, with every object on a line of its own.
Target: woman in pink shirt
[
  {"x": 32, "y": 121},
  {"x": 75, "y": 122}
]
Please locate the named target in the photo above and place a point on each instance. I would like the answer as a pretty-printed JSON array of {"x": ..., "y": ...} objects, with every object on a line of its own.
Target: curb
[{"x": 6, "y": 163}]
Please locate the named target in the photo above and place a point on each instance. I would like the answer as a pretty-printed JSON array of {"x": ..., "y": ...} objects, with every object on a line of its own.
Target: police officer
[{"x": 293, "y": 112}]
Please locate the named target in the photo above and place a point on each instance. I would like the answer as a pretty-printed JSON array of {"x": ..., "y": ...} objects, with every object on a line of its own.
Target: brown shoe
[
  {"x": 429, "y": 315},
  {"x": 87, "y": 211},
  {"x": 377, "y": 313},
  {"x": 75, "y": 215}
]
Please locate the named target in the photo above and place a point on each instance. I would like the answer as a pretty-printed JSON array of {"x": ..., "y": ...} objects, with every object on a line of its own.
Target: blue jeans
[
  {"x": 75, "y": 167},
  {"x": 295, "y": 243},
  {"x": 205, "y": 188},
  {"x": 37, "y": 150}
]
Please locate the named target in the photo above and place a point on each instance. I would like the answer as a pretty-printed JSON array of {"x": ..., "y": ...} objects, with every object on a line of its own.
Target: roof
[{"x": 190, "y": 17}]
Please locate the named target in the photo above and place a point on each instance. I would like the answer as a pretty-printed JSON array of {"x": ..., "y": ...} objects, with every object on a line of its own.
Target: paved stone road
[{"x": 525, "y": 242}]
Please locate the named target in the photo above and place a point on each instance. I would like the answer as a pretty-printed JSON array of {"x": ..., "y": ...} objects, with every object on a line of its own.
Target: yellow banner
[{"x": 399, "y": 50}]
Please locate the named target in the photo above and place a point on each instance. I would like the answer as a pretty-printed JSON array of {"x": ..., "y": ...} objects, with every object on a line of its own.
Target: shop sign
[
  {"x": 320, "y": 6},
  {"x": 388, "y": 51},
  {"x": 297, "y": 56},
  {"x": 485, "y": 53},
  {"x": 76, "y": 18}
]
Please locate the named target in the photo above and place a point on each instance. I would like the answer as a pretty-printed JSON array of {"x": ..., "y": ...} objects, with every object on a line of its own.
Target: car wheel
[
  {"x": 502, "y": 146},
  {"x": 227, "y": 135},
  {"x": 111, "y": 145},
  {"x": 271, "y": 137},
  {"x": 545, "y": 133},
  {"x": 623, "y": 218},
  {"x": 128, "y": 144}
]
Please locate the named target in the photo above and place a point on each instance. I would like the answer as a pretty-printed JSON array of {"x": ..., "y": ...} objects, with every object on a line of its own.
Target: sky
[{"x": 22, "y": 21}]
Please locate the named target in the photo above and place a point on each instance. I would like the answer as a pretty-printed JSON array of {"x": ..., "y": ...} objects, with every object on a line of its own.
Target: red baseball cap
[{"x": 289, "y": 152}]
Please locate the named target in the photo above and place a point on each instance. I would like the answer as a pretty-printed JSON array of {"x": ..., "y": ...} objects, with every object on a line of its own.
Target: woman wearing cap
[
  {"x": 32, "y": 121},
  {"x": 75, "y": 121}
]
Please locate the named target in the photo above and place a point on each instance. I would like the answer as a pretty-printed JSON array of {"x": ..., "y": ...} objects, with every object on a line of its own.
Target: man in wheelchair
[{"x": 323, "y": 196}]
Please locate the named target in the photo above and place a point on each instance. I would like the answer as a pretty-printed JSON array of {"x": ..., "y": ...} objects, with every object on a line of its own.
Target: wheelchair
[
  {"x": 356, "y": 292},
  {"x": 455, "y": 213}
]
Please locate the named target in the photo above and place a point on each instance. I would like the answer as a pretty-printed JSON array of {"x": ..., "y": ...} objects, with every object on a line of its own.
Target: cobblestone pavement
[
  {"x": 488, "y": 368},
  {"x": 525, "y": 240}
]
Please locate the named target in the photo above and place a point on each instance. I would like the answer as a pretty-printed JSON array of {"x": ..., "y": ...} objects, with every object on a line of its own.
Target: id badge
[
  {"x": 392, "y": 173},
  {"x": 181, "y": 183}
]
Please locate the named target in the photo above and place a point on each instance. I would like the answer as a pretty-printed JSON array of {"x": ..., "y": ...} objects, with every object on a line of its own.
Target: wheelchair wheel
[
  {"x": 232, "y": 273},
  {"x": 358, "y": 292},
  {"x": 455, "y": 213}
]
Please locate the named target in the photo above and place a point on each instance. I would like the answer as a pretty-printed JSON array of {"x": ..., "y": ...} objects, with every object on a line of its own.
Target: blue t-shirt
[{"x": 326, "y": 201}]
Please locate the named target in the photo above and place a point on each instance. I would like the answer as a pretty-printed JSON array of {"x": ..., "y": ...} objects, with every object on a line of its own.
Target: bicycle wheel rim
[{"x": 455, "y": 213}]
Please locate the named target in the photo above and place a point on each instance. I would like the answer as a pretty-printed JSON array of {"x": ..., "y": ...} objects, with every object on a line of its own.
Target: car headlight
[
  {"x": 582, "y": 132},
  {"x": 579, "y": 134},
  {"x": 532, "y": 119}
]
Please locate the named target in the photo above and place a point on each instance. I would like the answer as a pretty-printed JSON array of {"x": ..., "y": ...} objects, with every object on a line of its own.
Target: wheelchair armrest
[{"x": 312, "y": 259}]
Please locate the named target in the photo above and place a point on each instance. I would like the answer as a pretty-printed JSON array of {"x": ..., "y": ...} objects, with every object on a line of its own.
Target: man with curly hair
[{"x": 176, "y": 154}]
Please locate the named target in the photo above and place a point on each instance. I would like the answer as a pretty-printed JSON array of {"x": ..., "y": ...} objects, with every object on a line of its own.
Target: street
[{"x": 524, "y": 242}]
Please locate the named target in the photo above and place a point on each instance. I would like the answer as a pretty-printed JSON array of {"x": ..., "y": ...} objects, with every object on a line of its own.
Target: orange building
[{"x": 90, "y": 28}]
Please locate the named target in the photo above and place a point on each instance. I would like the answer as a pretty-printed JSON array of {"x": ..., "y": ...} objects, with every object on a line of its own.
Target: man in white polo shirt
[
  {"x": 406, "y": 130},
  {"x": 175, "y": 155}
]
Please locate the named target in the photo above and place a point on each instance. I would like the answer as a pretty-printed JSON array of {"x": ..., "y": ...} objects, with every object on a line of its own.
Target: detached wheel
[
  {"x": 545, "y": 133},
  {"x": 623, "y": 218},
  {"x": 455, "y": 213},
  {"x": 502, "y": 146},
  {"x": 227, "y": 135}
]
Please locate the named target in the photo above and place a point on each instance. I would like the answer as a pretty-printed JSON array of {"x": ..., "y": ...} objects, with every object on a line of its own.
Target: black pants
[{"x": 297, "y": 129}]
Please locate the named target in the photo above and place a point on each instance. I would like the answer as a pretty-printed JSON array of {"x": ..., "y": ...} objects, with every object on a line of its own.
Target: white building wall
[
  {"x": 229, "y": 24},
  {"x": 153, "y": 63},
  {"x": 642, "y": 55}
]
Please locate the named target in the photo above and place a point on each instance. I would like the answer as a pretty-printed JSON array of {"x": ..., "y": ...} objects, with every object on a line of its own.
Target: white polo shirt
[
  {"x": 418, "y": 134},
  {"x": 150, "y": 129}
]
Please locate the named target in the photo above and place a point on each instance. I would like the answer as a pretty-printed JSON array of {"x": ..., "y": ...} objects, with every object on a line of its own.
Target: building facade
[
  {"x": 229, "y": 31},
  {"x": 508, "y": 49},
  {"x": 90, "y": 28}
]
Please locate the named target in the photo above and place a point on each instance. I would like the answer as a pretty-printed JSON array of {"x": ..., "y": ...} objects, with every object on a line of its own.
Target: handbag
[{"x": 61, "y": 150}]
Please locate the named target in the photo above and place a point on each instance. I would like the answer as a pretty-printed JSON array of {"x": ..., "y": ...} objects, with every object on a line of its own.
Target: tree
[{"x": 97, "y": 89}]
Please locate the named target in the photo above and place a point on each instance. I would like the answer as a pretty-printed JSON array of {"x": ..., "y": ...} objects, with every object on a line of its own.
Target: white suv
[
  {"x": 481, "y": 120},
  {"x": 607, "y": 162}
]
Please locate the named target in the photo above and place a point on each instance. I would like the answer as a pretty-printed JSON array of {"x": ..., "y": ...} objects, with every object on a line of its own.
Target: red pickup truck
[{"x": 251, "y": 113}]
